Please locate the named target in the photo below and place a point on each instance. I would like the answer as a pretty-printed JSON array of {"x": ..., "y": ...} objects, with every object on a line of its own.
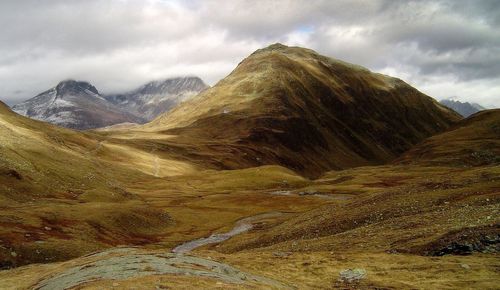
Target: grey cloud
[
  {"x": 90, "y": 27},
  {"x": 271, "y": 19},
  {"x": 471, "y": 64},
  {"x": 486, "y": 10},
  {"x": 443, "y": 47}
]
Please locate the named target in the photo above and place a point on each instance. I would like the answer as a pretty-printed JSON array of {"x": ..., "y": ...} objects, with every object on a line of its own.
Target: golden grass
[
  {"x": 320, "y": 270},
  {"x": 392, "y": 208}
]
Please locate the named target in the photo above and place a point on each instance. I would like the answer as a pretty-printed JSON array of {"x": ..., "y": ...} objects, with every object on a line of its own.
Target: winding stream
[{"x": 240, "y": 227}]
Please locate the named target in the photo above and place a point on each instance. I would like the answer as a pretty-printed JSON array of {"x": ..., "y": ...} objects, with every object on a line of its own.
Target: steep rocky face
[
  {"x": 293, "y": 107},
  {"x": 465, "y": 109},
  {"x": 157, "y": 97},
  {"x": 76, "y": 105}
]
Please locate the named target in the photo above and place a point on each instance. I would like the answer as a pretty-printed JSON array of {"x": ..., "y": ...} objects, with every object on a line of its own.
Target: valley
[{"x": 296, "y": 171}]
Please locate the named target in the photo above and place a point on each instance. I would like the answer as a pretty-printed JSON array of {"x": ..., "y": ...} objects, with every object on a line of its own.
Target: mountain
[
  {"x": 465, "y": 109},
  {"x": 157, "y": 97},
  {"x": 474, "y": 141},
  {"x": 294, "y": 107},
  {"x": 74, "y": 104}
]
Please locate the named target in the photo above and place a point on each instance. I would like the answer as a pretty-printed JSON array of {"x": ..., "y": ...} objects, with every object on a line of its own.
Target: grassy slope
[
  {"x": 472, "y": 142},
  {"x": 400, "y": 208},
  {"x": 58, "y": 200},
  {"x": 397, "y": 206},
  {"x": 65, "y": 193},
  {"x": 386, "y": 227}
]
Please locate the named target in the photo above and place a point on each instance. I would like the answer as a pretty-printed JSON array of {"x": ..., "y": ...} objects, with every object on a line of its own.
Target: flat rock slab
[
  {"x": 135, "y": 265},
  {"x": 352, "y": 275}
]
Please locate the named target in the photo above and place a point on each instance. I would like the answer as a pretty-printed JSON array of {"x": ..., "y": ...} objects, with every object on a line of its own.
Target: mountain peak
[
  {"x": 275, "y": 47},
  {"x": 160, "y": 82},
  {"x": 463, "y": 108},
  {"x": 158, "y": 96},
  {"x": 74, "y": 104},
  {"x": 72, "y": 86},
  {"x": 173, "y": 85},
  {"x": 282, "y": 53}
]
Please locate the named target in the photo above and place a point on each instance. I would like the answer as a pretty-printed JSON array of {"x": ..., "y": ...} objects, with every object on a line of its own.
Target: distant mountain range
[
  {"x": 79, "y": 105},
  {"x": 463, "y": 108}
]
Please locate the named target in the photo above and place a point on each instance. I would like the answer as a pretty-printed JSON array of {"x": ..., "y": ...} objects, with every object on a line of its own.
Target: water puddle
[
  {"x": 313, "y": 194},
  {"x": 281, "y": 192}
]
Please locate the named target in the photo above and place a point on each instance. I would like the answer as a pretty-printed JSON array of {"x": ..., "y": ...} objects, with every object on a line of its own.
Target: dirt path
[
  {"x": 156, "y": 162},
  {"x": 97, "y": 148},
  {"x": 125, "y": 263},
  {"x": 156, "y": 166}
]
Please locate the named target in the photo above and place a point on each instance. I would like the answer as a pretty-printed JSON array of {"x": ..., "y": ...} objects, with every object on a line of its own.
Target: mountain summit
[
  {"x": 157, "y": 97},
  {"x": 294, "y": 107},
  {"x": 463, "y": 108},
  {"x": 74, "y": 104},
  {"x": 70, "y": 87}
]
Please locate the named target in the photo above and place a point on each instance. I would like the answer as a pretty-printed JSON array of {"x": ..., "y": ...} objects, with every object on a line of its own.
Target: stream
[{"x": 240, "y": 227}]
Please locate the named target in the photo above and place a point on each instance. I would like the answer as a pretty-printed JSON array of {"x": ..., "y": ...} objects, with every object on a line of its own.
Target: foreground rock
[
  {"x": 126, "y": 263},
  {"x": 352, "y": 275}
]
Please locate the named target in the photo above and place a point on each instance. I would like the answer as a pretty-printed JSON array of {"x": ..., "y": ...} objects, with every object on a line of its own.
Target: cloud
[{"x": 445, "y": 48}]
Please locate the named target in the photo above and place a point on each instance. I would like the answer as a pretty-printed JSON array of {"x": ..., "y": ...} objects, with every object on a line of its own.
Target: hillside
[
  {"x": 397, "y": 205},
  {"x": 474, "y": 141},
  {"x": 59, "y": 199},
  {"x": 293, "y": 107},
  {"x": 157, "y": 97},
  {"x": 463, "y": 108},
  {"x": 407, "y": 218},
  {"x": 66, "y": 193},
  {"x": 76, "y": 105}
]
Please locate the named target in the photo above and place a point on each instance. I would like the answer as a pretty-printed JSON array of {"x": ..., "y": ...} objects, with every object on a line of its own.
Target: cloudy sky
[{"x": 444, "y": 48}]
